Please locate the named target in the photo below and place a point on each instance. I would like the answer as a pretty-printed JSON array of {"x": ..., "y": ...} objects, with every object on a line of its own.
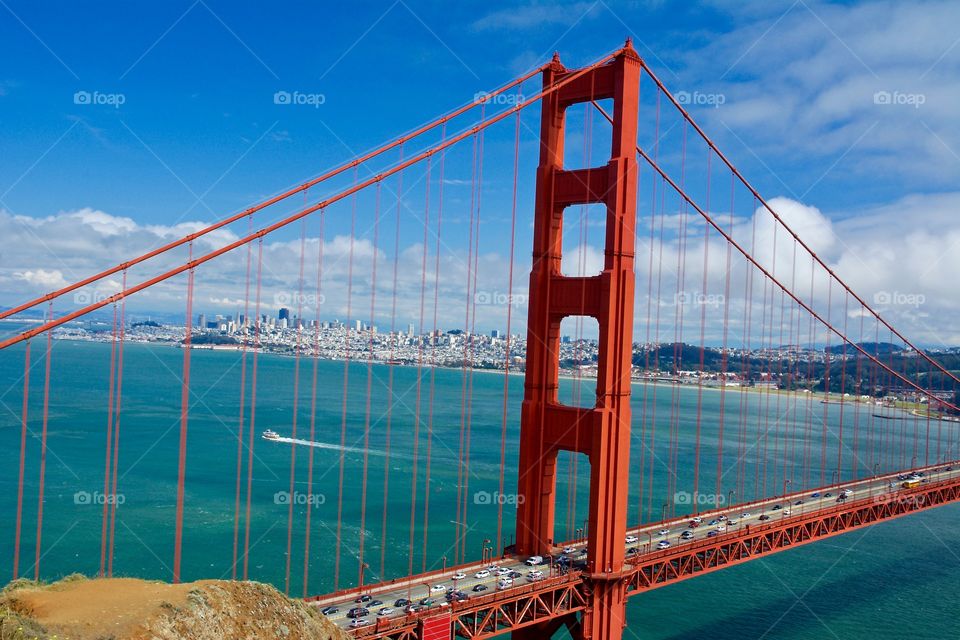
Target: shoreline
[{"x": 825, "y": 398}]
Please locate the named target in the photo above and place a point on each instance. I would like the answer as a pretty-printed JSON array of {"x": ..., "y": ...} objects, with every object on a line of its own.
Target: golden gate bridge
[{"x": 668, "y": 200}]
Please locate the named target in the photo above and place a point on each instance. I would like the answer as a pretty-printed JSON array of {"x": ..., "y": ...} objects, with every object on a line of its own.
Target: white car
[
  {"x": 504, "y": 583},
  {"x": 437, "y": 588},
  {"x": 631, "y": 539},
  {"x": 663, "y": 544},
  {"x": 721, "y": 528},
  {"x": 663, "y": 532},
  {"x": 697, "y": 519},
  {"x": 569, "y": 549},
  {"x": 785, "y": 512},
  {"x": 385, "y": 611},
  {"x": 504, "y": 571},
  {"x": 745, "y": 515},
  {"x": 356, "y": 623},
  {"x": 534, "y": 576},
  {"x": 483, "y": 573},
  {"x": 533, "y": 561},
  {"x": 459, "y": 576}
]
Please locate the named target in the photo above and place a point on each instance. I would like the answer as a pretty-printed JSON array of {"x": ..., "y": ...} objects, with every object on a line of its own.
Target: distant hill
[{"x": 873, "y": 348}]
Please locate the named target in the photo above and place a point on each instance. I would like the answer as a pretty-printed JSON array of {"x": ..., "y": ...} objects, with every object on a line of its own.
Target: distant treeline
[{"x": 856, "y": 374}]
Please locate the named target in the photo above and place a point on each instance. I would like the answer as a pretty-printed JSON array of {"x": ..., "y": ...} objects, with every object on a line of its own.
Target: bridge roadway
[{"x": 642, "y": 543}]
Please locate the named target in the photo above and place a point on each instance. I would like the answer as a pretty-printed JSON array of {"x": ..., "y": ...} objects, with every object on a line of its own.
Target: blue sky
[{"x": 198, "y": 134}]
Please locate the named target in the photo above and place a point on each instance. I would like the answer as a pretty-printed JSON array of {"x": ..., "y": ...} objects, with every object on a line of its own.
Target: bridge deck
[{"x": 757, "y": 529}]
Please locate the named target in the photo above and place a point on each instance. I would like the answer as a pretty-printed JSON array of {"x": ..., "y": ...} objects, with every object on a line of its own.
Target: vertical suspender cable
[
  {"x": 245, "y": 327},
  {"x": 433, "y": 343},
  {"x": 184, "y": 413},
  {"x": 116, "y": 429},
  {"x": 318, "y": 302},
  {"x": 43, "y": 446},
  {"x": 23, "y": 451},
  {"x": 295, "y": 410},
  {"x": 104, "y": 529},
  {"x": 251, "y": 431},
  {"x": 346, "y": 384},
  {"x": 370, "y": 354},
  {"x": 506, "y": 358}
]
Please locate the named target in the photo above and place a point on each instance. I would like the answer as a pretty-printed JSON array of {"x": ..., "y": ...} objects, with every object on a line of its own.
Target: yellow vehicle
[{"x": 910, "y": 483}]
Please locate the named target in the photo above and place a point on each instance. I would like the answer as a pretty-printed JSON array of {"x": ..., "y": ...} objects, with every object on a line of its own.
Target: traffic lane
[
  {"x": 674, "y": 527},
  {"x": 421, "y": 591}
]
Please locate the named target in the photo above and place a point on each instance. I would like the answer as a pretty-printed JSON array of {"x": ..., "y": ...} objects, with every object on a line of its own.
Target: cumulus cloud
[
  {"x": 873, "y": 84},
  {"x": 905, "y": 270}
]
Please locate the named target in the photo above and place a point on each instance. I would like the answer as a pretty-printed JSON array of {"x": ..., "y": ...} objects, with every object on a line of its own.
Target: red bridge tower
[{"x": 601, "y": 432}]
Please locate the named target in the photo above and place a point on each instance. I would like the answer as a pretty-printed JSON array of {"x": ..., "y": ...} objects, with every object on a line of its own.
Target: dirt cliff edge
[{"x": 77, "y": 608}]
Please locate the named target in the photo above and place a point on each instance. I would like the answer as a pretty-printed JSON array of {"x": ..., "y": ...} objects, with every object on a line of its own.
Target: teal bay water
[{"x": 890, "y": 581}]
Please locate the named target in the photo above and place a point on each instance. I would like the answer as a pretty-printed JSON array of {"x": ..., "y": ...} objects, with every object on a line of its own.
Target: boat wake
[{"x": 326, "y": 445}]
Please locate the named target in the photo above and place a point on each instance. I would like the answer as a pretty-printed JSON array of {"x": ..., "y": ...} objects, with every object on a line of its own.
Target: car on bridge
[
  {"x": 437, "y": 588},
  {"x": 480, "y": 575},
  {"x": 401, "y": 602},
  {"x": 356, "y": 623},
  {"x": 631, "y": 539},
  {"x": 479, "y": 587},
  {"x": 358, "y": 612},
  {"x": 534, "y": 561},
  {"x": 663, "y": 544},
  {"x": 329, "y": 611},
  {"x": 386, "y": 611}
]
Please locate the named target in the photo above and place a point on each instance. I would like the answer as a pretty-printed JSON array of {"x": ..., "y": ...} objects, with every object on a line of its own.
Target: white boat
[{"x": 270, "y": 435}]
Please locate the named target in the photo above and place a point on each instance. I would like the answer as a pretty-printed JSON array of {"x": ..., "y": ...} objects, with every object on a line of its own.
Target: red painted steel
[
  {"x": 436, "y": 628},
  {"x": 542, "y": 607},
  {"x": 602, "y": 432},
  {"x": 589, "y": 603}
]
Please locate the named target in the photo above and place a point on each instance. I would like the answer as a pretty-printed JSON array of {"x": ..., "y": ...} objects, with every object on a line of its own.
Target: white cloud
[
  {"x": 804, "y": 77},
  {"x": 51, "y": 279},
  {"x": 537, "y": 15}
]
